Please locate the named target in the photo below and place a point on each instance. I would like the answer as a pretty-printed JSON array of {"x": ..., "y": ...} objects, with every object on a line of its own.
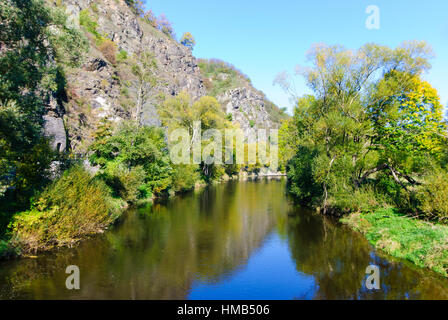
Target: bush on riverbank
[
  {"x": 423, "y": 243},
  {"x": 134, "y": 161},
  {"x": 433, "y": 197},
  {"x": 74, "y": 206}
]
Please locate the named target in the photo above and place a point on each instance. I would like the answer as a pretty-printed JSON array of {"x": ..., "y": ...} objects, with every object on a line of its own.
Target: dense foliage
[
  {"x": 35, "y": 42},
  {"x": 372, "y": 133},
  {"x": 134, "y": 161},
  {"x": 181, "y": 113},
  {"x": 74, "y": 206}
]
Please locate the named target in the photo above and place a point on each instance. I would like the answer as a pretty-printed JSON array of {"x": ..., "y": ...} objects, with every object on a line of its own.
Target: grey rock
[
  {"x": 247, "y": 108},
  {"x": 54, "y": 128},
  {"x": 96, "y": 89}
]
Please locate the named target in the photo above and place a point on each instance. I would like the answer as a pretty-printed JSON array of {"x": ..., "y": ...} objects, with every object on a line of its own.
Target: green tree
[
  {"x": 130, "y": 149},
  {"x": 181, "y": 112},
  {"x": 143, "y": 68},
  {"x": 36, "y": 43},
  {"x": 350, "y": 129},
  {"x": 188, "y": 40}
]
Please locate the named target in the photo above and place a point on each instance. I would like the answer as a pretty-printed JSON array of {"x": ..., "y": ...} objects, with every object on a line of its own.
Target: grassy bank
[{"x": 423, "y": 243}]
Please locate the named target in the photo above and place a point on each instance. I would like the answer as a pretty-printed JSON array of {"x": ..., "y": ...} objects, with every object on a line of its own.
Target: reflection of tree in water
[
  {"x": 157, "y": 253},
  {"x": 338, "y": 258}
]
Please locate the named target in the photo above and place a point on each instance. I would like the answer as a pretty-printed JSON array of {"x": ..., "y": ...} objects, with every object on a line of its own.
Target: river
[{"x": 239, "y": 240}]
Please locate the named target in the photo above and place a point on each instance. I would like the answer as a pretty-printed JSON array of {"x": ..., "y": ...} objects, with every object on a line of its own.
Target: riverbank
[
  {"x": 52, "y": 224},
  {"x": 423, "y": 243},
  {"x": 219, "y": 243}
]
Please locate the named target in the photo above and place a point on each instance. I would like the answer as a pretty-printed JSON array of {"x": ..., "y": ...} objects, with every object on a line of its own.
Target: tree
[
  {"x": 130, "y": 150},
  {"x": 287, "y": 140},
  {"x": 36, "y": 43},
  {"x": 165, "y": 26},
  {"x": 143, "y": 67},
  {"x": 407, "y": 120},
  {"x": 181, "y": 112},
  {"x": 137, "y": 6},
  {"x": 151, "y": 19},
  {"x": 363, "y": 102},
  {"x": 188, "y": 40}
]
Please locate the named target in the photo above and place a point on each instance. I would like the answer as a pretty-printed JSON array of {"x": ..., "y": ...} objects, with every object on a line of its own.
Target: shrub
[
  {"x": 7, "y": 250},
  {"x": 136, "y": 5},
  {"x": 166, "y": 27},
  {"x": 109, "y": 50},
  {"x": 125, "y": 182},
  {"x": 89, "y": 23},
  {"x": 433, "y": 197},
  {"x": 122, "y": 56},
  {"x": 72, "y": 207},
  {"x": 221, "y": 76},
  {"x": 300, "y": 180},
  {"x": 132, "y": 147},
  {"x": 360, "y": 200},
  {"x": 151, "y": 19},
  {"x": 184, "y": 177}
]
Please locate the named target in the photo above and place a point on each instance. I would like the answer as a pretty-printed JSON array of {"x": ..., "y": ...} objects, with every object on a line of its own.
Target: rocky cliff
[
  {"x": 106, "y": 88},
  {"x": 247, "y": 107}
]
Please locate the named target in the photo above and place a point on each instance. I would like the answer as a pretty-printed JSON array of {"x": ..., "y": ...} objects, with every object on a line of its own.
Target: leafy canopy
[{"x": 370, "y": 113}]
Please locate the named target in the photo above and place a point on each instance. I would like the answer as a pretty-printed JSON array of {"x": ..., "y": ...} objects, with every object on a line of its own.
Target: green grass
[
  {"x": 90, "y": 24},
  {"x": 423, "y": 243}
]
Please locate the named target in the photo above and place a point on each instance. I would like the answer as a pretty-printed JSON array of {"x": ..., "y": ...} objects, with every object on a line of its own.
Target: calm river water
[{"x": 241, "y": 240}]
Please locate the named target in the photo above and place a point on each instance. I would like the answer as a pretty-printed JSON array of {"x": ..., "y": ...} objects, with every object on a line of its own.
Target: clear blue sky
[{"x": 265, "y": 37}]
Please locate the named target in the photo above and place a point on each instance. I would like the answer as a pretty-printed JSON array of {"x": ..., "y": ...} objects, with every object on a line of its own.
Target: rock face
[
  {"x": 55, "y": 129},
  {"x": 104, "y": 88},
  {"x": 247, "y": 109}
]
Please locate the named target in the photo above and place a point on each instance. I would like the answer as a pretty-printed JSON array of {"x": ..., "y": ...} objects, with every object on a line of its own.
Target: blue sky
[{"x": 265, "y": 37}]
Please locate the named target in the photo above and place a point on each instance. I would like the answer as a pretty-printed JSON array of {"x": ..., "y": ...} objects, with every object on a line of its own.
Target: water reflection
[
  {"x": 231, "y": 241},
  {"x": 337, "y": 258}
]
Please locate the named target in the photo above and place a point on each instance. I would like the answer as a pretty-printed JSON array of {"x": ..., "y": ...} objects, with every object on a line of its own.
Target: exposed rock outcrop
[
  {"x": 55, "y": 129},
  {"x": 247, "y": 109},
  {"x": 102, "y": 88}
]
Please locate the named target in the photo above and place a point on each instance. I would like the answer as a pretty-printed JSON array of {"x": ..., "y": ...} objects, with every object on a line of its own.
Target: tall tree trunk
[
  {"x": 325, "y": 186},
  {"x": 139, "y": 104}
]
